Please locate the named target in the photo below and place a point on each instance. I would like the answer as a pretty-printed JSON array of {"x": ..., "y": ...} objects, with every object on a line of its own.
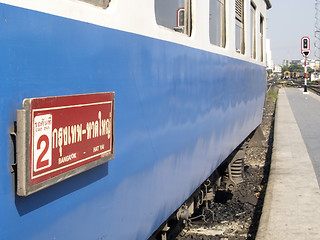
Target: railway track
[{"x": 314, "y": 88}]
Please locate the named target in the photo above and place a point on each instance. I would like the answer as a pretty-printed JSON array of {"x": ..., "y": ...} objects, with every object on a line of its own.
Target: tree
[
  {"x": 296, "y": 68},
  {"x": 284, "y": 69},
  {"x": 310, "y": 70}
]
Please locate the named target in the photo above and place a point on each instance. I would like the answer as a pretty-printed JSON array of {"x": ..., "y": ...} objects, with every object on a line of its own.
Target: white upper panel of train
[{"x": 235, "y": 28}]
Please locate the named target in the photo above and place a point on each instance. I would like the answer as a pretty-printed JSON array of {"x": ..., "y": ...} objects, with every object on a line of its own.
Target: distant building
[
  {"x": 277, "y": 69},
  {"x": 314, "y": 76},
  {"x": 314, "y": 64},
  {"x": 298, "y": 62},
  {"x": 269, "y": 55},
  {"x": 311, "y": 63},
  {"x": 286, "y": 63}
]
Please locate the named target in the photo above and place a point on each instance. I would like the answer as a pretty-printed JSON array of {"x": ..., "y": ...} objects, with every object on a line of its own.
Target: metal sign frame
[{"x": 49, "y": 148}]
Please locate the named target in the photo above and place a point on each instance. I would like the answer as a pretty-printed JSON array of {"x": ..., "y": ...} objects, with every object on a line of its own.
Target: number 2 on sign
[
  {"x": 42, "y": 163},
  {"x": 42, "y": 142}
]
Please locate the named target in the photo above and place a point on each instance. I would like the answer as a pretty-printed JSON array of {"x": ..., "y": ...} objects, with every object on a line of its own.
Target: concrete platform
[{"x": 292, "y": 203}]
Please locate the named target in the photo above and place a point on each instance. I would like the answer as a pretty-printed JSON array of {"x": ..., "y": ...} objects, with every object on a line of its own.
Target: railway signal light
[
  {"x": 305, "y": 46},
  {"x": 305, "y": 50}
]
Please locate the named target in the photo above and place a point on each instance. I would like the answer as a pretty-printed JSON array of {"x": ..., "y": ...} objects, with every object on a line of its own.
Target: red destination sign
[{"x": 68, "y": 135}]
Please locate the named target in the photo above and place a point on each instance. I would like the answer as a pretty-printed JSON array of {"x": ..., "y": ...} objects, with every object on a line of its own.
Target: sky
[{"x": 287, "y": 22}]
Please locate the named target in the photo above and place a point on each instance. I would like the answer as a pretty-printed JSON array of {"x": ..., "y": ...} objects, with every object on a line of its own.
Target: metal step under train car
[{"x": 114, "y": 112}]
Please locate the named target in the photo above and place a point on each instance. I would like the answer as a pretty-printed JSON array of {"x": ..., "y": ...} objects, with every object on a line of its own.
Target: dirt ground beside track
[{"x": 237, "y": 214}]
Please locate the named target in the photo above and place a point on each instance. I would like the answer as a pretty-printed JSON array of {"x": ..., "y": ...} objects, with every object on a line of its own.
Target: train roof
[{"x": 268, "y": 4}]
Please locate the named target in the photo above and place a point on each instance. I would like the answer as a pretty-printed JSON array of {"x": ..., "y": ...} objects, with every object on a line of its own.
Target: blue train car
[{"x": 189, "y": 83}]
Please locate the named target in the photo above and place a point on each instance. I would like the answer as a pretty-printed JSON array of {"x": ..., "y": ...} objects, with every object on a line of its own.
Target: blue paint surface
[{"x": 179, "y": 112}]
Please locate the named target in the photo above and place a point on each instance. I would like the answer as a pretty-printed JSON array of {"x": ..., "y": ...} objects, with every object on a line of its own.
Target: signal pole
[
  {"x": 305, "y": 76},
  {"x": 305, "y": 51}
]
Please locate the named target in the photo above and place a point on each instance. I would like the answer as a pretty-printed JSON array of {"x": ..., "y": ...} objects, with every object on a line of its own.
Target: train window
[
  {"x": 217, "y": 23},
  {"x": 239, "y": 26},
  {"x": 261, "y": 36},
  {"x": 101, "y": 3},
  {"x": 253, "y": 30},
  {"x": 174, "y": 14}
]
